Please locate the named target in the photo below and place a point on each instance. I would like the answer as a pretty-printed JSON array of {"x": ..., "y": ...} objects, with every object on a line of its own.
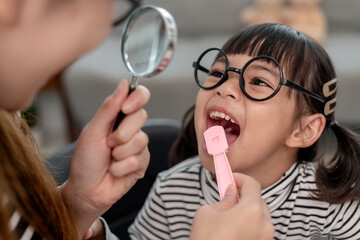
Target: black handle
[{"x": 122, "y": 115}]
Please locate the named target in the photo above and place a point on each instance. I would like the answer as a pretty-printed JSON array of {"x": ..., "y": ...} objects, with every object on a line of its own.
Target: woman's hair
[
  {"x": 306, "y": 63},
  {"x": 27, "y": 186}
]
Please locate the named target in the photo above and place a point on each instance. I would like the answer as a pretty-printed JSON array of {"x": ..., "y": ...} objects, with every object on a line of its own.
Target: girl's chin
[{"x": 204, "y": 149}]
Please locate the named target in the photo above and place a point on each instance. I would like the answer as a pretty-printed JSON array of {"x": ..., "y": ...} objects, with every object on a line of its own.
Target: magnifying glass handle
[{"x": 122, "y": 115}]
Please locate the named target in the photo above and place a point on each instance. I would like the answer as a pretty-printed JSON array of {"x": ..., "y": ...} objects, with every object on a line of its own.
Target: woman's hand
[
  {"x": 248, "y": 218},
  {"x": 107, "y": 164}
]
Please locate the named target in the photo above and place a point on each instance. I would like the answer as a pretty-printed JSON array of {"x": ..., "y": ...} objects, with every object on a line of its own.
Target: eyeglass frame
[{"x": 282, "y": 81}]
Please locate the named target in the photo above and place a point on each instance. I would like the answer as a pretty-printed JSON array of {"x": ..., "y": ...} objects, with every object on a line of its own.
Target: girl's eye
[
  {"x": 216, "y": 74},
  {"x": 259, "y": 82}
]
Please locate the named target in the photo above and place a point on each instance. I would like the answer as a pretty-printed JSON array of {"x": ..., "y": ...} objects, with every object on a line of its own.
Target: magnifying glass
[{"x": 148, "y": 40}]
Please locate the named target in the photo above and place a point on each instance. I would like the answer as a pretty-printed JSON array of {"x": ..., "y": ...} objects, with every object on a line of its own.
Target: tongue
[
  {"x": 232, "y": 130},
  {"x": 230, "y": 135}
]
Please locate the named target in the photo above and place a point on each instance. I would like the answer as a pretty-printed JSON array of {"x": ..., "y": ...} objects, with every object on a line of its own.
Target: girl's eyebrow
[
  {"x": 271, "y": 70},
  {"x": 221, "y": 60},
  {"x": 218, "y": 60}
]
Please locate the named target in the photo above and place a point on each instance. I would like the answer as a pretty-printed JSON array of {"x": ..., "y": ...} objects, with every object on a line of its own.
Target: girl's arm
[
  {"x": 151, "y": 221},
  {"x": 344, "y": 221}
]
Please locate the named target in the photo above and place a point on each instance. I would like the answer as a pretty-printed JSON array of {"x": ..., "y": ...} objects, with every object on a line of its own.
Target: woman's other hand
[{"x": 246, "y": 218}]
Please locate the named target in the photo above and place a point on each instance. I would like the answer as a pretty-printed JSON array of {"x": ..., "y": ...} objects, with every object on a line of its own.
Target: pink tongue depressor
[{"x": 216, "y": 145}]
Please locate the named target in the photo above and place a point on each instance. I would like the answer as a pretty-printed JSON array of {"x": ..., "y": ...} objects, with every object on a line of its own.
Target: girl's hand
[
  {"x": 227, "y": 219},
  {"x": 107, "y": 164}
]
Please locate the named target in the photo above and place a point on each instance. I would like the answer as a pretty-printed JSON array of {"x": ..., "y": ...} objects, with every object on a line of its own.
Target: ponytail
[
  {"x": 185, "y": 145},
  {"x": 339, "y": 179}
]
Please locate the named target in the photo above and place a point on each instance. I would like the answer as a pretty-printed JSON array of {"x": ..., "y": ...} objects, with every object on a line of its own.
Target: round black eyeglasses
[{"x": 260, "y": 79}]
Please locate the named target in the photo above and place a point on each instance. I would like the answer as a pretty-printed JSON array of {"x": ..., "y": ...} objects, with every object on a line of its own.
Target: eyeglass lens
[{"x": 260, "y": 77}]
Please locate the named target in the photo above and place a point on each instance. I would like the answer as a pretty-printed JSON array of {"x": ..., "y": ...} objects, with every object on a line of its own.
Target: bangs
[
  {"x": 281, "y": 42},
  {"x": 302, "y": 59}
]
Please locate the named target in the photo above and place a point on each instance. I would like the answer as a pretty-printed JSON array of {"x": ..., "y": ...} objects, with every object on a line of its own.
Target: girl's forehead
[{"x": 238, "y": 60}]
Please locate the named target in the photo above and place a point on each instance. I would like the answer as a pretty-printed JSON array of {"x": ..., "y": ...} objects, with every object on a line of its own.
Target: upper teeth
[{"x": 217, "y": 115}]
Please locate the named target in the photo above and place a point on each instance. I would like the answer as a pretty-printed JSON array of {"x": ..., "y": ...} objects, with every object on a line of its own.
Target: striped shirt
[
  {"x": 23, "y": 231},
  {"x": 21, "y": 228},
  {"x": 178, "y": 192}
]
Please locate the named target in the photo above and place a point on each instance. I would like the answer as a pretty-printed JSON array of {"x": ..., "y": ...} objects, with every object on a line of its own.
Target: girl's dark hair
[
  {"x": 305, "y": 62},
  {"x": 185, "y": 145}
]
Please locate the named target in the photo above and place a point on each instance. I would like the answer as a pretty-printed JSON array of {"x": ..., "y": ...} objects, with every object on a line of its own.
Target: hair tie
[
  {"x": 333, "y": 123},
  {"x": 329, "y": 88},
  {"x": 329, "y": 106}
]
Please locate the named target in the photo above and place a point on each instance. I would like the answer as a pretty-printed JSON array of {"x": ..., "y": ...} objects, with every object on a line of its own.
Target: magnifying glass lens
[{"x": 146, "y": 43}]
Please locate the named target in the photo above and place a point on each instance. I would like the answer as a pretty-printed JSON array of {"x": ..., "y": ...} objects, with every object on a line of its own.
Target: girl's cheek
[{"x": 207, "y": 161}]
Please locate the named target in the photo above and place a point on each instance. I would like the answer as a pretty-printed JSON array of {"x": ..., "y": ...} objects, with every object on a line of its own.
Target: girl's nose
[{"x": 230, "y": 88}]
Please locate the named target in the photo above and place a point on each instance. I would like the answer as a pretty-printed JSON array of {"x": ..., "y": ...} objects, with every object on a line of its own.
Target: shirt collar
[
  {"x": 209, "y": 187},
  {"x": 274, "y": 195}
]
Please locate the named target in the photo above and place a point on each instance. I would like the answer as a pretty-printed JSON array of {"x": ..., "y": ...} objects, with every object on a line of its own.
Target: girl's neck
[{"x": 272, "y": 170}]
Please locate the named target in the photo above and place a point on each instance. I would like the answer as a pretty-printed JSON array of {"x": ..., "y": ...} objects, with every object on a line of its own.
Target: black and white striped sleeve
[
  {"x": 151, "y": 222},
  {"x": 344, "y": 222}
]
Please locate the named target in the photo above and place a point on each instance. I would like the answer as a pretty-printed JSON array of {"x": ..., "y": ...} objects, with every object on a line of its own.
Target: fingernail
[
  {"x": 128, "y": 106},
  {"x": 111, "y": 143},
  {"x": 120, "y": 86},
  {"x": 88, "y": 234},
  {"x": 231, "y": 190}
]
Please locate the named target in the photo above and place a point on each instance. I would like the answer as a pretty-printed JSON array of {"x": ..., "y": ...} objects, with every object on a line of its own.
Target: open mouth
[{"x": 231, "y": 127}]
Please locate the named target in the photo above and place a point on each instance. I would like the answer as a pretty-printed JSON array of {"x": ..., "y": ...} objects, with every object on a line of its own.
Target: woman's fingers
[
  {"x": 135, "y": 145},
  {"x": 130, "y": 161},
  {"x": 117, "y": 102},
  {"x": 249, "y": 218},
  {"x": 265, "y": 209},
  {"x": 135, "y": 164},
  {"x": 127, "y": 128},
  {"x": 230, "y": 199},
  {"x": 269, "y": 229},
  {"x": 257, "y": 210},
  {"x": 248, "y": 187},
  {"x": 136, "y": 100}
]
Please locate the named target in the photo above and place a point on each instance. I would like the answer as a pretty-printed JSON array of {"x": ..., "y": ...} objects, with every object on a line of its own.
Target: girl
[{"x": 273, "y": 89}]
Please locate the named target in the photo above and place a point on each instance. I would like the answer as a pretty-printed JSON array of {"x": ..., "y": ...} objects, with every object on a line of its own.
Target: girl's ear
[
  {"x": 8, "y": 11},
  {"x": 308, "y": 132}
]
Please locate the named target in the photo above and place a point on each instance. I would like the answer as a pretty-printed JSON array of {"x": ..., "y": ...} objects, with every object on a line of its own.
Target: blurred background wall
[{"x": 65, "y": 107}]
